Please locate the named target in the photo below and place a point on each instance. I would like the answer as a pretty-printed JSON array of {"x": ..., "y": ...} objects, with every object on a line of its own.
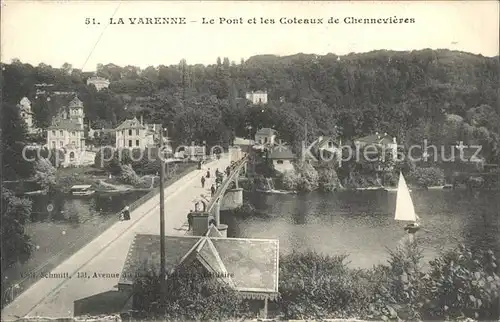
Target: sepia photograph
[{"x": 250, "y": 160}]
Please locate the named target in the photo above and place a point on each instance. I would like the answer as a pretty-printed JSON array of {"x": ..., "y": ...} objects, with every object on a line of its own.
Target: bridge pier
[{"x": 232, "y": 199}]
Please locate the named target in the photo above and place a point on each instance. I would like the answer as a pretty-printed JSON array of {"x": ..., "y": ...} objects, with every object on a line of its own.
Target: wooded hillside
[{"x": 444, "y": 96}]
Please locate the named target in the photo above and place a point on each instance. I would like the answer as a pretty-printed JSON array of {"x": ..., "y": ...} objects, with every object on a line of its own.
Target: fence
[
  {"x": 14, "y": 290},
  {"x": 223, "y": 187}
]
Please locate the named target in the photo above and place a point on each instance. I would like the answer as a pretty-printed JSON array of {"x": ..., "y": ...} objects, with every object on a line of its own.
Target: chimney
[
  {"x": 142, "y": 121},
  {"x": 394, "y": 140},
  {"x": 320, "y": 138},
  {"x": 385, "y": 134},
  {"x": 376, "y": 133}
]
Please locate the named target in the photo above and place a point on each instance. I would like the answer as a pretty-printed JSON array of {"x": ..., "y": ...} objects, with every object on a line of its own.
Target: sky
[{"x": 54, "y": 32}]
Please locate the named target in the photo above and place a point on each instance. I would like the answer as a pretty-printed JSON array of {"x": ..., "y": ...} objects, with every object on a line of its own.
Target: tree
[
  {"x": 192, "y": 295},
  {"x": 16, "y": 244},
  {"x": 45, "y": 174},
  {"x": 13, "y": 141}
]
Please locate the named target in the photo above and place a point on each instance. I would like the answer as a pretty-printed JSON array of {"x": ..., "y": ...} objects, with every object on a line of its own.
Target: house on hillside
[
  {"x": 375, "y": 148},
  {"x": 282, "y": 158},
  {"x": 66, "y": 133},
  {"x": 133, "y": 134},
  {"x": 257, "y": 98},
  {"x": 265, "y": 136},
  {"x": 327, "y": 148},
  {"x": 27, "y": 114},
  {"x": 249, "y": 266},
  {"x": 99, "y": 82}
]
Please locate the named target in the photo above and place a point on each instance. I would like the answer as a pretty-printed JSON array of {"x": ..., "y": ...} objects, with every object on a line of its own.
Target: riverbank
[
  {"x": 71, "y": 225},
  {"x": 56, "y": 297}
]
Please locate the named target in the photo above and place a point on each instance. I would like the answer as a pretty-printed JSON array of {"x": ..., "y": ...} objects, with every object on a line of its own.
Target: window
[
  {"x": 61, "y": 143},
  {"x": 53, "y": 143},
  {"x": 136, "y": 132},
  {"x": 265, "y": 140},
  {"x": 123, "y": 132},
  {"x": 61, "y": 133},
  {"x": 136, "y": 142},
  {"x": 330, "y": 144},
  {"x": 73, "y": 133},
  {"x": 22, "y": 114},
  {"x": 54, "y": 133},
  {"x": 129, "y": 132},
  {"x": 72, "y": 156},
  {"x": 73, "y": 142},
  {"x": 279, "y": 162},
  {"x": 130, "y": 143}
]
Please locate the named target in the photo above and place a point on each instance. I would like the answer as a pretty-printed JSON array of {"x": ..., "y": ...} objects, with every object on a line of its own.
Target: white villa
[
  {"x": 66, "y": 133},
  {"x": 26, "y": 114},
  {"x": 99, "y": 82},
  {"x": 282, "y": 158},
  {"x": 257, "y": 98},
  {"x": 133, "y": 134},
  {"x": 265, "y": 136}
]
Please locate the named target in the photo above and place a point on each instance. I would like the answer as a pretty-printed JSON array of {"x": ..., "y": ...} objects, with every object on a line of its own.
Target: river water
[
  {"x": 61, "y": 225},
  {"x": 361, "y": 223}
]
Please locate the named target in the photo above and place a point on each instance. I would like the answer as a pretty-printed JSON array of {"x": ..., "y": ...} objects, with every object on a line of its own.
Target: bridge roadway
[{"x": 54, "y": 298}]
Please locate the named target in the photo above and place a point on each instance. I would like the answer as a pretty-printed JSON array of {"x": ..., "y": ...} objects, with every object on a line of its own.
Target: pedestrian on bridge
[
  {"x": 228, "y": 171},
  {"x": 208, "y": 173},
  {"x": 212, "y": 190},
  {"x": 125, "y": 213},
  {"x": 190, "y": 220},
  {"x": 202, "y": 181}
]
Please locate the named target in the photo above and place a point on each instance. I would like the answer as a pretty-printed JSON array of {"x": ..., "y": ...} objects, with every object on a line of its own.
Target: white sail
[{"x": 404, "y": 205}]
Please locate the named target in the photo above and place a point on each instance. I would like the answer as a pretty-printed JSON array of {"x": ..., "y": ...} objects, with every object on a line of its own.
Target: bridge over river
[{"x": 55, "y": 296}]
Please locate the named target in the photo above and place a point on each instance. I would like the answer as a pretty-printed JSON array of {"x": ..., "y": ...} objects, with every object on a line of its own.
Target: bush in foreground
[
  {"x": 460, "y": 284},
  {"x": 188, "y": 296}
]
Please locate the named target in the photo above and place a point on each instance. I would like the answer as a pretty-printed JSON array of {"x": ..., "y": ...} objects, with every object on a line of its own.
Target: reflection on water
[
  {"x": 62, "y": 224},
  {"x": 361, "y": 223}
]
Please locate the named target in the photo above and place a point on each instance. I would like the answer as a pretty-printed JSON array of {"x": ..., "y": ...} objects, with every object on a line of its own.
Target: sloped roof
[
  {"x": 25, "y": 101},
  {"x": 243, "y": 141},
  {"x": 281, "y": 152},
  {"x": 130, "y": 124},
  {"x": 376, "y": 139},
  {"x": 213, "y": 232},
  {"x": 65, "y": 124},
  {"x": 324, "y": 141},
  {"x": 266, "y": 131},
  {"x": 75, "y": 102},
  {"x": 251, "y": 264}
]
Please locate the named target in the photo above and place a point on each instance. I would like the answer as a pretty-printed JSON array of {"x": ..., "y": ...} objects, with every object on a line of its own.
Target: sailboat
[{"x": 404, "y": 207}]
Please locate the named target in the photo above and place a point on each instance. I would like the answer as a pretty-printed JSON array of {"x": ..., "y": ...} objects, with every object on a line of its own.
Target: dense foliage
[
  {"x": 461, "y": 283},
  {"x": 426, "y": 177},
  {"x": 190, "y": 295},
  {"x": 438, "y": 95},
  {"x": 13, "y": 141},
  {"x": 16, "y": 244},
  {"x": 45, "y": 174}
]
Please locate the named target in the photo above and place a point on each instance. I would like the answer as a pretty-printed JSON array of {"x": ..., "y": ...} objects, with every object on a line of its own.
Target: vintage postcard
[{"x": 250, "y": 160}]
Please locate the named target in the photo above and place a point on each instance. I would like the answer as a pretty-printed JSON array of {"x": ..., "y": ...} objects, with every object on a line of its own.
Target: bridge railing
[{"x": 225, "y": 184}]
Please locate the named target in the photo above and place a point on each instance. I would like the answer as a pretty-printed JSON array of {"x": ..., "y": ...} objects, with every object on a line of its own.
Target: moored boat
[
  {"x": 275, "y": 191},
  {"x": 82, "y": 190}
]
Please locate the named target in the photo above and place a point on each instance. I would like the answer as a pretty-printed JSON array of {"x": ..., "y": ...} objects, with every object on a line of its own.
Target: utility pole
[{"x": 163, "y": 162}]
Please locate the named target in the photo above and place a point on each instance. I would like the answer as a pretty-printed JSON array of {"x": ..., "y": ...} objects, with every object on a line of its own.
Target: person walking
[
  {"x": 190, "y": 220},
  {"x": 228, "y": 171},
  {"x": 212, "y": 190},
  {"x": 208, "y": 173},
  {"x": 126, "y": 213},
  {"x": 203, "y": 182}
]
